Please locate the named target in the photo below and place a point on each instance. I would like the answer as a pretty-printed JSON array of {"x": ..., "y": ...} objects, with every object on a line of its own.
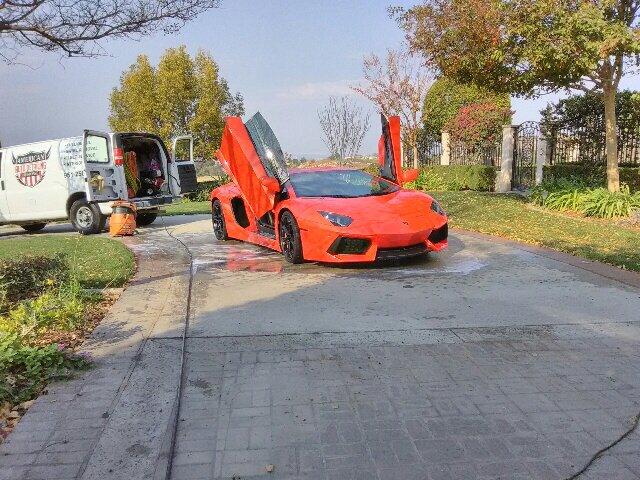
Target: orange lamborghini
[{"x": 322, "y": 214}]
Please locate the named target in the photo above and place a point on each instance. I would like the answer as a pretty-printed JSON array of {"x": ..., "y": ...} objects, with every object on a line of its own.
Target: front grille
[
  {"x": 401, "y": 252},
  {"x": 349, "y": 246},
  {"x": 440, "y": 234}
]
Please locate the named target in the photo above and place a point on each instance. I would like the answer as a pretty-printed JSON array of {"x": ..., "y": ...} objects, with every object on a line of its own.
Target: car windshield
[{"x": 339, "y": 184}]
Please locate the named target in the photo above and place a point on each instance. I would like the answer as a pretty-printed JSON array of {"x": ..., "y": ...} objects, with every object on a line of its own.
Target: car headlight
[
  {"x": 435, "y": 206},
  {"x": 336, "y": 219}
]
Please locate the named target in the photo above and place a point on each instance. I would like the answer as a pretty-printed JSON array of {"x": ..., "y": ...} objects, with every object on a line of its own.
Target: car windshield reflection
[{"x": 339, "y": 184}]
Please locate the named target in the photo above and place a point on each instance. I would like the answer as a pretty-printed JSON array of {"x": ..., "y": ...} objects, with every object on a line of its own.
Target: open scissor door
[
  {"x": 390, "y": 152},
  {"x": 251, "y": 155}
]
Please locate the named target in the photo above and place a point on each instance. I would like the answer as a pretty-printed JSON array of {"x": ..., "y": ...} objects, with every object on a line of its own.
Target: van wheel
[
  {"x": 146, "y": 218},
  {"x": 33, "y": 227},
  {"x": 86, "y": 217}
]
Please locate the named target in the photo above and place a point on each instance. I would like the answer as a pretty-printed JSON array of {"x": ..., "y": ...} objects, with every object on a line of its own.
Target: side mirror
[
  {"x": 409, "y": 175},
  {"x": 271, "y": 183}
]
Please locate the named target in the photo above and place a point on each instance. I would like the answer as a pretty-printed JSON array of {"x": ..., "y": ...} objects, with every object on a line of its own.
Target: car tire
[
  {"x": 33, "y": 227},
  {"x": 86, "y": 217},
  {"x": 290, "y": 241},
  {"x": 218, "y": 221},
  {"x": 146, "y": 218}
]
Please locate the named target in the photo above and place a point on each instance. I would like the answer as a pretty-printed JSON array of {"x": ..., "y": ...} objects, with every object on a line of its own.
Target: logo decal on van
[{"x": 31, "y": 167}]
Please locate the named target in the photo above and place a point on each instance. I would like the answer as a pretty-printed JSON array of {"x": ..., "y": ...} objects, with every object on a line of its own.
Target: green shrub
[
  {"x": 602, "y": 203},
  {"x": 28, "y": 277},
  {"x": 574, "y": 194},
  {"x": 49, "y": 312},
  {"x": 25, "y": 370},
  {"x": 592, "y": 176},
  {"x": 203, "y": 192}
]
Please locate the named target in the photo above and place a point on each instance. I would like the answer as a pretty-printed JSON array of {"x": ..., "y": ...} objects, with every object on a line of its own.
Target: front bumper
[{"x": 322, "y": 244}]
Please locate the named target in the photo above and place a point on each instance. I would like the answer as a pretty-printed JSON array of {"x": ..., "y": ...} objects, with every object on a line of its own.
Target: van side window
[
  {"x": 97, "y": 149},
  {"x": 183, "y": 150}
]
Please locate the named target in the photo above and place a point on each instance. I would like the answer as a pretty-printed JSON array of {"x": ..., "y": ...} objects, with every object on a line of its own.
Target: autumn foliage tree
[
  {"x": 397, "y": 85},
  {"x": 530, "y": 47},
  {"x": 182, "y": 95}
]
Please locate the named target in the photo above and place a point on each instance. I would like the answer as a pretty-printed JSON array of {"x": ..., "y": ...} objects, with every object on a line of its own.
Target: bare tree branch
[
  {"x": 344, "y": 127},
  {"x": 398, "y": 86},
  {"x": 76, "y": 27}
]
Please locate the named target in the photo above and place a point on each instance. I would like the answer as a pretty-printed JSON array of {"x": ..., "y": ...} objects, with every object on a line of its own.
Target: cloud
[{"x": 314, "y": 90}]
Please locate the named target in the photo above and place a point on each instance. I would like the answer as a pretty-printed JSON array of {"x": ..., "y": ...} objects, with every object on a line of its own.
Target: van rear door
[
  {"x": 4, "y": 206},
  {"x": 101, "y": 179},
  {"x": 182, "y": 169}
]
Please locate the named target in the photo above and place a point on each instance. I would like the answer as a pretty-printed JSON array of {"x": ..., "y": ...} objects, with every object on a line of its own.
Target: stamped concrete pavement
[{"x": 485, "y": 361}]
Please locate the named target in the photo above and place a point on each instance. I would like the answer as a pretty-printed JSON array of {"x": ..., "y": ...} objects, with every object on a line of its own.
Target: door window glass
[
  {"x": 97, "y": 150},
  {"x": 183, "y": 150},
  {"x": 267, "y": 147}
]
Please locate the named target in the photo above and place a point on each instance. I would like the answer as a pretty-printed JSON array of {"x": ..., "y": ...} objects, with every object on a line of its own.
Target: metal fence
[
  {"x": 429, "y": 152},
  {"x": 464, "y": 154},
  {"x": 586, "y": 144}
]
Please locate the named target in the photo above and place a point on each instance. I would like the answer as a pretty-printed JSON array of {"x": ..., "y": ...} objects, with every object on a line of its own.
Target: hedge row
[
  {"x": 450, "y": 177},
  {"x": 203, "y": 193},
  {"x": 592, "y": 175}
]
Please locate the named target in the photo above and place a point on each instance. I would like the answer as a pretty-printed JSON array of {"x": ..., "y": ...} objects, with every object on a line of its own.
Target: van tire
[
  {"x": 146, "y": 218},
  {"x": 86, "y": 217},
  {"x": 33, "y": 227}
]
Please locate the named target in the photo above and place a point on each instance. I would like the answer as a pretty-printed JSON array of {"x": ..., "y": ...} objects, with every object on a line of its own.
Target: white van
[{"x": 78, "y": 178}]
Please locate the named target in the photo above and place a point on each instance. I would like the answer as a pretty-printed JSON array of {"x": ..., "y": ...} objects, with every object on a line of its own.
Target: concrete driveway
[{"x": 484, "y": 361}]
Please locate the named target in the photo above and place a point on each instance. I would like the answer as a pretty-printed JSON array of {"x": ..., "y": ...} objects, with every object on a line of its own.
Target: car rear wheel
[
  {"x": 290, "y": 241},
  {"x": 86, "y": 217},
  {"x": 33, "y": 227},
  {"x": 146, "y": 218},
  {"x": 217, "y": 218}
]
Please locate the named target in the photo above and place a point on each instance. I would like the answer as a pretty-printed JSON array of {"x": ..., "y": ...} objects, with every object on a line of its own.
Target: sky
[{"x": 286, "y": 57}]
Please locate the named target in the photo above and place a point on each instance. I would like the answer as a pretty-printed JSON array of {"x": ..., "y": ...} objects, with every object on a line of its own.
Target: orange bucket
[{"x": 123, "y": 219}]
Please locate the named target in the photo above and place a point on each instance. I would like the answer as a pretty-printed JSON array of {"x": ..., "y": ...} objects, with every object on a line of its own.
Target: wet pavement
[{"x": 483, "y": 361}]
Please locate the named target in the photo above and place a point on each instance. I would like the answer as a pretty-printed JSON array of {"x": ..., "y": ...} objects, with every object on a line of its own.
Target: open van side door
[
  {"x": 182, "y": 170},
  {"x": 101, "y": 178},
  {"x": 4, "y": 205}
]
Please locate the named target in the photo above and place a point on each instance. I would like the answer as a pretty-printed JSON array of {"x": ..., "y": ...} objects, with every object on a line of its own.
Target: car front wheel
[{"x": 290, "y": 241}]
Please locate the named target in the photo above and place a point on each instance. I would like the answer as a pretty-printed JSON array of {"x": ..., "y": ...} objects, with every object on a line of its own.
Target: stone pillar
[
  {"x": 541, "y": 158},
  {"x": 503, "y": 180},
  {"x": 445, "y": 156}
]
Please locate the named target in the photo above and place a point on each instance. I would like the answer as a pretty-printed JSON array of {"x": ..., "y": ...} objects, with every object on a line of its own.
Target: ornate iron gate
[{"x": 524, "y": 155}]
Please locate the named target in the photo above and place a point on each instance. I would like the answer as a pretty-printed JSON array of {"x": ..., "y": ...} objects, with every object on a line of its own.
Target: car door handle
[{"x": 2, "y": 184}]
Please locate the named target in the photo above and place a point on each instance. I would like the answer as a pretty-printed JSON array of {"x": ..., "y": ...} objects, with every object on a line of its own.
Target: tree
[
  {"x": 478, "y": 124},
  {"x": 528, "y": 48},
  {"x": 344, "y": 127},
  {"x": 397, "y": 86},
  {"x": 181, "y": 96},
  {"x": 446, "y": 97},
  {"x": 76, "y": 27}
]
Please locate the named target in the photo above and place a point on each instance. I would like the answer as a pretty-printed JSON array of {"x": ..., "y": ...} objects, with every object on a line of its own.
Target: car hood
[{"x": 397, "y": 206}]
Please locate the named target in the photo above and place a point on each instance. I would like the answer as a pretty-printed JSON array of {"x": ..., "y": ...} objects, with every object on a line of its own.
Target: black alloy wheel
[{"x": 290, "y": 242}]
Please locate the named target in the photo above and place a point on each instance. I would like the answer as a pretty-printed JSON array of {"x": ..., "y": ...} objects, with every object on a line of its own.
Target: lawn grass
[
  {"x": 97, "y": 262},
  {"x": 188, "y": 208},
  {"x": 510, "y": 216}
]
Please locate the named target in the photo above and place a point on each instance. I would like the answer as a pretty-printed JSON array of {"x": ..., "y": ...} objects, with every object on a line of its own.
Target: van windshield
[{"x": 339, "y": 184}]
